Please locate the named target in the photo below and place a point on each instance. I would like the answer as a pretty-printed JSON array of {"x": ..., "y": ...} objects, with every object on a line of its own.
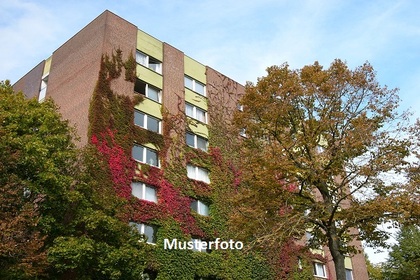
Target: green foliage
[
  {"x": 319, "y": 142},
  {"x": 375, "y": 271},
  {"x": 89, "y": 257},
  {"x": 36, "y": 150},
  {"x": 57, "y": 221},
  {"x": 404, "y": 258}
]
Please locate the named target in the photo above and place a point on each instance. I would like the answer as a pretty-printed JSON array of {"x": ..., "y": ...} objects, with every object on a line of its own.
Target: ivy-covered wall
[{"x": 112, "y": 132}]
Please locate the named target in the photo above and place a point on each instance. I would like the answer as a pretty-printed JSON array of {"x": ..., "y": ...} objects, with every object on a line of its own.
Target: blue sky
[{"x": 240, "y": 38}]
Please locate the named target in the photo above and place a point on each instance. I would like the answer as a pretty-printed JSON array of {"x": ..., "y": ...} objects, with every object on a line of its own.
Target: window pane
[
  {"x": 151, "y": 157},
  {"x": 42, "y": 93},
  {"x": 200, "y": 115},
  {"x": 148, "y": 275},
  {"x": 201, "y": 143},
  {"x": 136, "y": 226},
  {"x": 157, "y": 67},
  {"x": 191, "y": 172},
  {"x": 137, "y": 190},
  {"x": 140, "y": 87},
  {"x": 154, "y": 64},
  {"x": 199, "y": 87},
  {"x": 349, "y": 275},
  {"x": 153, "y": 124},
  {"x": 194, "y": 205},
  {"x": 153, "y": 93},
  {"x": 137, "y": 153},
  {"x": 319, "y": 269},
  {"x": 141, "y": 58},
  {"x": 188, "y": 82},
  {"x": 190, "y": 139},
  {"x": 196, "y": 243},
  {"x": 203, "y": 209},
  {"x": 139, "y": 118},
  {"x": 150, "y": 234},
  {"x": 150, "y": 194},
  {"x": 189, "y": 110},
  {"x": 203, "y": 175}
]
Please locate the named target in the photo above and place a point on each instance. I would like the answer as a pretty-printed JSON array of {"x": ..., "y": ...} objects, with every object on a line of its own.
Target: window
[
  {"x": 146, "y": 121},
  {"x": 242, "y": 132},
  {"x": 319, "y": 149},
  {"x": 196, "y": 113},
  {"x": 149, "y": 275},
  {"x": 199, "y": 207},
  {"x": 196, "y": 141},
  {"x": 144, "y": 191},
  {"x": 147, "y": 90},
  {"x": 194, "y": 85},
  {"x": 148, "y": 231},
  {"x": 308, "y": 236},
  {"x": 197, "y": 246},
  {"x": 198, "y": 173},
  {"x": 145, "y": 155},
  {"x": 43, "y": 90},
  {"x": 319, "y": 270},
  {"x": 349, "y": 274},
  {"x": 149, "y": 62}
]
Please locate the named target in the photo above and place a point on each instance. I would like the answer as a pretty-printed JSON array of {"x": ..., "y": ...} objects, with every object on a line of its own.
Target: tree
[
  {"x": 404, "y": 258},
  {"x": 57, "y": 221},
  {"x": 35, "y": 150},
  {"x": 375, "y": 271},
  {"x": 97, "y": 243},
  {"x": 318, "y": 145}
]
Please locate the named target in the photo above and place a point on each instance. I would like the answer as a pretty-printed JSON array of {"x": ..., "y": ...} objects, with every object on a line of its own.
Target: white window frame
[
  {"x": 145, "y": 121},
  {"x": 145, "y": 61},
  {"x": 194, "y": 85},
  {"x": 194, "y": 112},
  {"x": 202, "y": 208},
  {"x": 141, "y": 228},
  {"x": 144, "y": 159},
  {"x": 196, "y": 138},
  {"x": 195, "y": 174},
  {"x": 146, "y": 91},
  {"x": 319, "y": 270},
  {"x": 139, "y": 190}
]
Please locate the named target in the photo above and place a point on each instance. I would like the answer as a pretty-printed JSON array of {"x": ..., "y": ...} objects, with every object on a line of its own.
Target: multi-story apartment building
[{"x": 126, "y": 90}]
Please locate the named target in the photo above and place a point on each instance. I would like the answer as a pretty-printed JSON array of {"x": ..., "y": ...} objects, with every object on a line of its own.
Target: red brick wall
[
  {"x": 173, "y": 79},
  {"x": 173, "y": 99},
  {"x": 223, "y": 93},
  {"x": 75, "y": 66},
  {"x": 31, "y": 82}
]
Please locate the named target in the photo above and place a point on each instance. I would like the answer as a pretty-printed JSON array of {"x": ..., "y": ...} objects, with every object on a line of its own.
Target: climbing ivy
[{"x": 112, "y": 133}]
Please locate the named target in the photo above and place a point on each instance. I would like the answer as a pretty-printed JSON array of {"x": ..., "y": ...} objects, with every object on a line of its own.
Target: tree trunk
[{"x": 338, "y": 257}]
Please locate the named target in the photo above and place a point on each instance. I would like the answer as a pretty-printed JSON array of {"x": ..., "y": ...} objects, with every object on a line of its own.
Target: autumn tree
[{"x": 317, "y": 148}]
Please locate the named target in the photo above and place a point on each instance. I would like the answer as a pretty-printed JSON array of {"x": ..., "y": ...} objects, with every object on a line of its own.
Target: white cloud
[{"x": 26, "y": 32}]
